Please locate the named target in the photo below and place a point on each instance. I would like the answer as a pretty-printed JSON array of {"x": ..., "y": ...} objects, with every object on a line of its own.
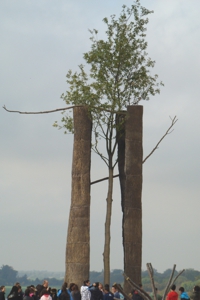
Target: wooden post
[
  {"x": 78, "y": 237},
  {"x": 132, "y": 218}
]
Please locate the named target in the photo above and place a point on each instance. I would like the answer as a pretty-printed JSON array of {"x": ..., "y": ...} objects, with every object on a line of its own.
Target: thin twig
[{"x": 174, "y": 120}]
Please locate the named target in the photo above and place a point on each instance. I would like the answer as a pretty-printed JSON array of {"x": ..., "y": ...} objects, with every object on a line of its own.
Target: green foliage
[
  {"x": 7, "y": 275},
  {"x": 119, "y": 72}
]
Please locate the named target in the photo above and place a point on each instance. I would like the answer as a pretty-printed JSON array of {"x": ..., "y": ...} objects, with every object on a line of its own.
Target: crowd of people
[
  {"x": 173, "y": 295},
  {"x": 96, "y": 291}
]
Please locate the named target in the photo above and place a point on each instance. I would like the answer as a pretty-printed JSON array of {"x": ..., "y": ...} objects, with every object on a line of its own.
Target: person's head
[
  {"x": 196, "y": 288},
  {"x": 45, "y": 292},
  {"x": 140, "y": 285},
  {"x": 17, "y": 284},
  {"x": 2, "y": 288},
  {"x": 71, "y": 286},
  {"x": 64, "y": 287},
  {"x": 96, "y": 284},
  {"x": 100, "y": 286},
  {"x": 181, "y": 289},
  {"x": 32, "y": 289},
  {"x": 86, "y": 282},
  {"x": 53, "y": 291},
  {"x": 75, "y": 288},
  {"x": 114, "y": 290},
  {"x": 19, "y": 288},
  {"x": 106, "y": 288},
  {"x": 45, "y": 284},
  {"x": 173, "y": 287},
  {"x": 27, "y": 291}
]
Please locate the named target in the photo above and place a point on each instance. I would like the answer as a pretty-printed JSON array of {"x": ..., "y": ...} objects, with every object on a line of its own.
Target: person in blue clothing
[
  {"x": 107, "y": 294},
  {"x": 183, "y": 294},
  {"x": 64, "y": 295},
  {"x": 69, "y": 290}
]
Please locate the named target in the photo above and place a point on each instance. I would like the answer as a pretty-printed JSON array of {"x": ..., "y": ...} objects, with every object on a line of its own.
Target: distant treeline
[{"x": 8, "y": 276}]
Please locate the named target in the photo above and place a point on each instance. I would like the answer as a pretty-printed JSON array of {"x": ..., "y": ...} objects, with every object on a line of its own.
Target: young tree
[{"x": 119, "y": 76}]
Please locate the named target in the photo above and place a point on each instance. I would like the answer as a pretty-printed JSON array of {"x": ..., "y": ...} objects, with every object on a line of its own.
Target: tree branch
[
  {"x": 140, "y": 291},
  {"x": 102, "y": 179},
  {"x": 151, "y": 275},
  {"x": 174, "y": 120},
  {"x": 120, "y": 289},
  {"x": 40, "y": 112},
  {"x": 59, "y": 109},
  {"x": 169, "y": 283}
]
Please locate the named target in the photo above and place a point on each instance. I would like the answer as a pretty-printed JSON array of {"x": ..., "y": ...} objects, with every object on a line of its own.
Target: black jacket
[
  {"x": 96, "y": 294},
  {"x": 2, "y": 296}
]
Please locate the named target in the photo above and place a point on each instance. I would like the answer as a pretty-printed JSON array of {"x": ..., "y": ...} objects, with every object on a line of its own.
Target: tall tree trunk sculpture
[
  {"x": 78, "y": 237},
  {"x": 132, "y": 206}
]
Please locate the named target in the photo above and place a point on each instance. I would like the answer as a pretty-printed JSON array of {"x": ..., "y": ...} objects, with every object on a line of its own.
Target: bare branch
[
  {"x": 57, "y": 109},
  {"x": 169, "y": 283},
  {"x": 151, "y": 275},
  {"x": 140, "y": 291},
  {"x": 120, "y": 289},
  {"x": 102, "y": 179},
  {"x": 178, "y": 276},
  {"x": 174, "y": 120},
  {"x": 40, "y": 112}
]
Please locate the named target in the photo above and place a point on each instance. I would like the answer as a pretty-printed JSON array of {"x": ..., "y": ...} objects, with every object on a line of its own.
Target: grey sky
[{"x": 40, "y": 41}]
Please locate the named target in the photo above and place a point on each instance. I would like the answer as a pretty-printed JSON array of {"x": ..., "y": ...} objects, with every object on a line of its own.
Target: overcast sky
[{"x": 40, "y": 42}]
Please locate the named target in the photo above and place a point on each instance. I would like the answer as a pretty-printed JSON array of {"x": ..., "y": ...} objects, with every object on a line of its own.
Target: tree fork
[{"x": 78, "y": 236}]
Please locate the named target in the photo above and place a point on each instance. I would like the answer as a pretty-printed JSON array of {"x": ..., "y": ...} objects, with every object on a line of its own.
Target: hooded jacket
[
  {"x": 85, "y": 293},
  {"x": 46, "y": 297},
  {"x": 184, "y": 295}
]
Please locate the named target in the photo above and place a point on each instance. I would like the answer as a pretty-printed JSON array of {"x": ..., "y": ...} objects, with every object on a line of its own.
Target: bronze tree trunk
[
  {"x": 78, "y": 236},
  {"x": 132, "y": 206}
]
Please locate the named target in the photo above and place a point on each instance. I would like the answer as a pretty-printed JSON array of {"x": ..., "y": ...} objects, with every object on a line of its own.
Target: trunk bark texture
[
  {"x": 106, "y": 253},
  {"x": 132, "y": 220},
  {"x": 78, "y": 236}
]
